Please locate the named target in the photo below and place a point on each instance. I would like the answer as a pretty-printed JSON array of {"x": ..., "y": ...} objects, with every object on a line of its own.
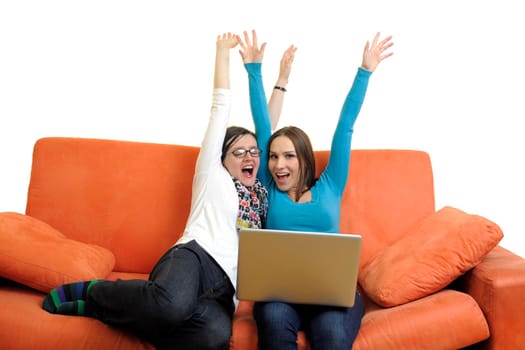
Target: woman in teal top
[{"x": 298, "y": 201}]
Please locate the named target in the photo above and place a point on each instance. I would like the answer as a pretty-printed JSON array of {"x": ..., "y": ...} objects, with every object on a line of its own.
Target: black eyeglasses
[{"x": 241, "y": 152}]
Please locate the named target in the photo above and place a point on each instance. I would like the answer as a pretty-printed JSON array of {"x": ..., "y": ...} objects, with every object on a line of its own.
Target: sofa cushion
[
  {"x": 433, "y": 253},
  {"x": 37, "y": 255}
]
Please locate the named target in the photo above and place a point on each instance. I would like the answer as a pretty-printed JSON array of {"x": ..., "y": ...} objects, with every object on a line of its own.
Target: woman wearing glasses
[{"x": 188, "y": 301}]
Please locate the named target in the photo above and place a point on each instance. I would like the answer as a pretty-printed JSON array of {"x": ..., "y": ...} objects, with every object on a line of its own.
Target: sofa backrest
[
  {"x": 134, "y": 197},
  {"x": 387, "y": 192},
  {"x": 130, "y": 197}
]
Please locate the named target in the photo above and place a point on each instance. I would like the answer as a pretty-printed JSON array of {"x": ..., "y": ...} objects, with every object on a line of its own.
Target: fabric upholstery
[
  {"x": 498, "y": 285},
  {"x": 433, "y": 253},
  {"x": 37, "y": 255},
  {"x": 381, "y": 205},
  {"x": 132, "y": 198},
  {"x": 459, "y": 320}
]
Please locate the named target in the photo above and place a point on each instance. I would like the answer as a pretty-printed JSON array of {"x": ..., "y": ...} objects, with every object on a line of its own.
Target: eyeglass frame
[{"x": 254, "y": 152}]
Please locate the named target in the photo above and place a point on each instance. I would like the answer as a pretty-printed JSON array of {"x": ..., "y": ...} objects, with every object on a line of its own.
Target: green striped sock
[
  {"x": 65, "y": 294},
  {"x": 77, "y": 307}
]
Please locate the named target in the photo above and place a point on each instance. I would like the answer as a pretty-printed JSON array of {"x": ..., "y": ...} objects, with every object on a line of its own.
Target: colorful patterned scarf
[{"x": 253, "y": 205}]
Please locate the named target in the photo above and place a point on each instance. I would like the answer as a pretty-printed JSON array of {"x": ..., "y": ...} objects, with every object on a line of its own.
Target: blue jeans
[
  {"x": 326, "y": 327},
  {"x": 187, "y": 303}
]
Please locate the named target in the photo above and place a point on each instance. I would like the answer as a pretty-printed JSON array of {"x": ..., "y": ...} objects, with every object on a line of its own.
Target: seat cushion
[{"x": 447, "y": 319}]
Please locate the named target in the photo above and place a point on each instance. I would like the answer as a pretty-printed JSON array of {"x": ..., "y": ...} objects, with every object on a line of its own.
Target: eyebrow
[{"x": 285, "y": 152}]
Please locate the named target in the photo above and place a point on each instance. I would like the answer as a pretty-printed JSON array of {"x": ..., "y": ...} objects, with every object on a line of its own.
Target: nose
[
  {"x": 248, "y": 154},
  {"x": 279, "y": 162}
]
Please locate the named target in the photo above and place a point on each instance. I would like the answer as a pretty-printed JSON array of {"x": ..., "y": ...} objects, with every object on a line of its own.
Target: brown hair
[{"x": 305, "y": 156}]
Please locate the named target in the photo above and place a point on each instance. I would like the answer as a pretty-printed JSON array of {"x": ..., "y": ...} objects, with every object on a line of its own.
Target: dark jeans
[
  {"x": 326, "y": 327},
  {"x": 187, "y": 303}
]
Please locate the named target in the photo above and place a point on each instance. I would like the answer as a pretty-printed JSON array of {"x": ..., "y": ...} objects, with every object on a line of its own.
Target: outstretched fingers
[
  {"x": 250, "y": 50},
  {"x": 375, "y": 52},
  {"x": 227, "y": 40}
]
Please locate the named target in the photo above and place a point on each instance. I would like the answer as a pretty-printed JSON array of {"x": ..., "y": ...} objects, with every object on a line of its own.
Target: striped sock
[
  {"x": 77, "y": 307},
  {"x": 65, "y": 294}
]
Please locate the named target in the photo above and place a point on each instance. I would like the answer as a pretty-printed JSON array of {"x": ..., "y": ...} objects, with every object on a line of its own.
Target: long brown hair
[{"x": 305, "y": 156}]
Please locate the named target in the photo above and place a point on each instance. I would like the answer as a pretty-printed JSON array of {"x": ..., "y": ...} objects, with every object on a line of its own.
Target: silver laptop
[{"x": 298, "y": 267}]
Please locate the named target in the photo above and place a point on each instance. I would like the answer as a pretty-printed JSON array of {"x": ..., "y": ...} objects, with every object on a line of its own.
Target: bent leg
[
  {"x": 277, "y": 325},
  {"x": 150, "y": 307},
  {"x": 334, "y": 328},
  {"x": 209, "y": 329}
]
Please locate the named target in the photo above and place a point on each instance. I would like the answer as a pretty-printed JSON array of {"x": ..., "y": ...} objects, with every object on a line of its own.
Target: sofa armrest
[{"x": 498, "y": 286}]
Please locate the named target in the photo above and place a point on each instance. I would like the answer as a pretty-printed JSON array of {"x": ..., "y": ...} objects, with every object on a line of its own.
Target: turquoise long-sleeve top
[{"x": 322, "y": 213}]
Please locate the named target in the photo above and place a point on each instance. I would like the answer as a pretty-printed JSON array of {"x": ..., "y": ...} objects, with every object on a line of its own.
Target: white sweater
[{"x": 215, "y": 203}]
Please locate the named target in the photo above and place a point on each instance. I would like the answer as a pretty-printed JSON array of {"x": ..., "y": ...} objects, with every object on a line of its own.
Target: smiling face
[
  {"x": 245, "y": 167},
  {"x": 291, "y": 161},
  {"x": 283, "y": 164}
]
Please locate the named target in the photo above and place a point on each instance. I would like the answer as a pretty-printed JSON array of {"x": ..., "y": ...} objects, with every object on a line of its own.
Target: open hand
[
  {"x": 374, "y": 53},
  {"x": 250, "y": 50},
  {"x": 286, "y": 64}
]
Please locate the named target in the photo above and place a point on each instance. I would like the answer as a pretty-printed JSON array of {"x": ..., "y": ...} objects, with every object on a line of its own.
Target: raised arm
[
  {"x": 373, "y": 54},
  {"x": 275, "y": 104},
  {"x": 252, "y": 56},
  {"x": 211, "y": 146},
  {"x": 225, "y": 43}
]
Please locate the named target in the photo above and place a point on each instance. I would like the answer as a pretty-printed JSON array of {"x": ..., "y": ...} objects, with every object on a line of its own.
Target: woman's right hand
[{"x": 374, "y": 52}]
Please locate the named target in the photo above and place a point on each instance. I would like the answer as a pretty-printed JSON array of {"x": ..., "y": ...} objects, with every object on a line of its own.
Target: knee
[
  {"x": 336, "y": 326},
  {"x": 273, "y": 313},
  {"x": 275, "y": 319},
  {"x": 277, "y": 324},
  {"x": 336, "y": 333},
  {"x": 169, "y": 310}
]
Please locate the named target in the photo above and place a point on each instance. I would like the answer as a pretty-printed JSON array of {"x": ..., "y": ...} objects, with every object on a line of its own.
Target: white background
[{"x": 142, "y": 70}]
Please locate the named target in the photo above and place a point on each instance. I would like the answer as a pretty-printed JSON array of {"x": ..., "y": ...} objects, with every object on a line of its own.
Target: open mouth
[
  {"x": 247, "y": 170},
  {"x": 281, "y": 177}
]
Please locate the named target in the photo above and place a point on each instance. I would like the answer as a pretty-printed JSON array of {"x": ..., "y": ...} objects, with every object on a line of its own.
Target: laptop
[{"x": 298, "y": 267}]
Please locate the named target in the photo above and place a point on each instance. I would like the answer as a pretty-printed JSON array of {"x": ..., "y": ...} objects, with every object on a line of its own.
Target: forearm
[
  {"x": 275, "y": 104},
  {"x": 222, "y": 68},
  {"x": 339, "y": 160},
  {"x": 258, "y": 104},
  {"x": 260, "y": 114},
  {"x": 354, "y": 100}
]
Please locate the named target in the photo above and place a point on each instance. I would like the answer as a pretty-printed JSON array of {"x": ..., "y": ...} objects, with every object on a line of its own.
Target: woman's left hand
[{"x": 374, "y": 53}]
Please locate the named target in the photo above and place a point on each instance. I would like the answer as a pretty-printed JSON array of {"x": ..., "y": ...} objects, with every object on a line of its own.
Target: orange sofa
[{"x": 431, "y": 279}]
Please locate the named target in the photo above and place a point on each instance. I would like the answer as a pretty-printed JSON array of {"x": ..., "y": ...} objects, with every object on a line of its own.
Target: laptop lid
[{"x": 298, "y": 267}]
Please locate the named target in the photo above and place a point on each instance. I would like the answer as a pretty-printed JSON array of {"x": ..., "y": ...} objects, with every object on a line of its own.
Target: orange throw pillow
[
  {"x": 37, "y": 255},
  {"x": 434, "y": 253}
]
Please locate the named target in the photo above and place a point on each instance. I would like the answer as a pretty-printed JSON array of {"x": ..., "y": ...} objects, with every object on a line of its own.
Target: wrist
[{"x": 281, "y": 82}]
